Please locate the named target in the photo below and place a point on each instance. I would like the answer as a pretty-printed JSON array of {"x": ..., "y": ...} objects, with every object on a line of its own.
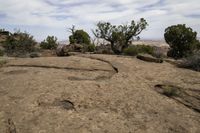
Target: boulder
[
  {"x": 62, "y": 51},
  {"x": 149, "y": 58}
]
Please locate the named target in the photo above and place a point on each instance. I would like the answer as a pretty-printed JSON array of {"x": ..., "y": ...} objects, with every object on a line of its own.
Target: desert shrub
[
  {"x": 87, "y": 47},
  {"x": 182, "y": 40},
  {"x": 90, "y": 48},
  {"x": 19, "y": 43},
  {"x": 79, "y": 37},
  {"x": 120, "y": 36},
  {"x": 136, "y": 49},
  {"x": 49, "y": 43},
  {"x": 1, "y": 52},
  {"x": 192, "y": 62},
  {"x": 132, "y": 51},
  {"x": 2, "y": 62},
  {"x": 145, "y": 49},
  {"x": 170, "y": 91}
]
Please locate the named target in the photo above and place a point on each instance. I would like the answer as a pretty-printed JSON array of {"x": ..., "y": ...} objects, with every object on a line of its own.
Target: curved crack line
[
  {"x": 102, "y": 60},
  {"x": 55, "y": 67},
  {"x": 99, "y": 59},
  {"x": 98, "y": 78},
  {"x": 183, "y": 97}
]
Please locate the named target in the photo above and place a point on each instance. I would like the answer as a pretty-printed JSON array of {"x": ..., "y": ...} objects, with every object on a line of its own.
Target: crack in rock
[
  {"x": 102, "y": 60},
  {"x": 11, "y": 126},
  {"x": 65, "y": 104},
  {"x": 101, "y": 77},
  {"x": 60, "y": 68},
  {"x": 188, "y": 97}
]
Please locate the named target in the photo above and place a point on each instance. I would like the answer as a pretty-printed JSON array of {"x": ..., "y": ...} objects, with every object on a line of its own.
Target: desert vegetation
[
  {"x": 192, "y": 61},
  {"x": 19, "y": 44},
  {"x": 136, "y": 49},
  {"x": 78, "y": 36},
  {"x": 1, "y": 52},
  {"x": 2, "y": 62},
  {"x": 49, "y": 43},
  {"x": 81, "y": 37},
  {"x": 182, "y": 41},
  {"x": 183, "y": 44},
  {"x": 120, "y": 36}
]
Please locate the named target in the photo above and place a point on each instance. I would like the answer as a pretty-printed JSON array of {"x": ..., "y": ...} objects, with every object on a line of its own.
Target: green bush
[
  {"x": 49, "y": 43},
  {"x": 91, "y": 48},
  {"x": 2, "y": 62},
  {"x": 136, "y": 49},
  {"x": 19, "y": 43},
  {"x": 192, "y": 62},
  {"x": 182, "y": 40},
  {"x": 79, "y": 37},
  {"x": 120, "y": 36},
  {"x": 87, "y": 48},
  {"x": 170, "y": 91},
  {"x": 132, "y": 51}
]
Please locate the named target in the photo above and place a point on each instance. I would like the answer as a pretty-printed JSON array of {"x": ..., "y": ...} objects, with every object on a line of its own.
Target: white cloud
[{"x": 43, "y": 17}]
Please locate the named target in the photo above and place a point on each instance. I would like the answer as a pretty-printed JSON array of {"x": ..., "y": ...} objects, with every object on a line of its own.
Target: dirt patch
[
  {"x": 99, "y": 77},
  {"x": 188, "y": 97},
  {"x": 73, "y": 78}
]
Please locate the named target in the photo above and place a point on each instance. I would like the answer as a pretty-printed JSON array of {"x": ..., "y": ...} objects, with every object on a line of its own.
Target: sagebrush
[
  {"x": 192, "y": 62},
  {"x": 19, "y": 43},
  {"x": 49, "y": 43},
  {"x": 136, "y": 49}
]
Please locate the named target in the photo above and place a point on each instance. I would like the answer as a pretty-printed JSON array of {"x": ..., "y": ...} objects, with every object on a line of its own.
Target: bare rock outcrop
[
  {"x": 64, "y": 50},
  {"x": 149, "y": 58}
]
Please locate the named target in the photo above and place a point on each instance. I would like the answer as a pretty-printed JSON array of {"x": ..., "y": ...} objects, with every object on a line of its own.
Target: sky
[{"x": 53, "y": 17}]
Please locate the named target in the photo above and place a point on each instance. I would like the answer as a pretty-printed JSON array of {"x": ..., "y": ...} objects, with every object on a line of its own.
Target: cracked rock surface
[{"x": 94, "y": 94}]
